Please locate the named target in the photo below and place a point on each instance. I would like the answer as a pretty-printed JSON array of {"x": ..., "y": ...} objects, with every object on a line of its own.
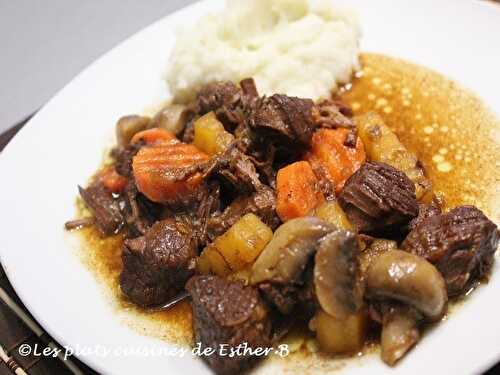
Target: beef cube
[
  {"x": 378, "y": 196},
  {"x": 228, "y": 313},
  {"x": 157, "y": 265},
  {"x": 104, "y": 207},
  {"x": 287, "y": 118},
  {"x": 461, "y": 243}
]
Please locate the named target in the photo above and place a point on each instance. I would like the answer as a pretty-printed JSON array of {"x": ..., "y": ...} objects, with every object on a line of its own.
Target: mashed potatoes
[{"x": 296, "y": 47}]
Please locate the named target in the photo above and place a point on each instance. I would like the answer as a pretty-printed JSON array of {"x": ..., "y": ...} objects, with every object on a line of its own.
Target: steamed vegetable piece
[
  {"x": 113, "y": 181},
  {"x": 210, "y": 136},
  {"x": 338, "y": 336},
  {"x": 284, "y": 258},
  {"x": 297, "y": 191},
  {"x": 128, "y": 126},
  {"x": 382, "y": 145},
  {"x": 237, "y": 248},
  {"x": 332, "y": 213},
  {"x": 337, "y": 160},
  {"x": 156, "y": 170}
]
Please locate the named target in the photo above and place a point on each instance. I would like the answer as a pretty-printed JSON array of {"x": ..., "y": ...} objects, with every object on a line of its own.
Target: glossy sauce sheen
[{"x": 454, "y": 135}]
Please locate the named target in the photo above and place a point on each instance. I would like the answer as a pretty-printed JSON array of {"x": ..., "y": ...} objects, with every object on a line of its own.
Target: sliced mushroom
[
  {"x": 399, "y": 334},
  {"x": 373, "y": 250},
  {"x": 284, "y": 258},
  {"x": 128, "y": 126},
  {"x": 172, "y": 118},
  {"x": 336, "y": 274},
  {"x": 409, "y": 279}
]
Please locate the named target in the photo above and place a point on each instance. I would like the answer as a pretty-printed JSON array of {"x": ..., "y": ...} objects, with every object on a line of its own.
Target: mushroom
[
  {"x": 172, "y": 118},
  {"x": 128, "y": 126},
  {"x": 337, "y": 276},
  {"x": 285, "y": 257},
  {"x": 409, "y": 279},
  {"x": 399, "y": 333}
]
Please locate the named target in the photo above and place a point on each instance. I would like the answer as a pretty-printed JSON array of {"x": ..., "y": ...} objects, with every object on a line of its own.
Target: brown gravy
[{"x": 451, "y": 131}]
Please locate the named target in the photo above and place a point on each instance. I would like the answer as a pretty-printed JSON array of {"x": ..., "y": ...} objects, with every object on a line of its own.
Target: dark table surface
[{"x": 14, "y": 333}]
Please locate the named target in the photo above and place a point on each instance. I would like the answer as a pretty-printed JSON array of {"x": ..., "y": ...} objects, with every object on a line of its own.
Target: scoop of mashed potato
[{"x": 302, "y": 48}]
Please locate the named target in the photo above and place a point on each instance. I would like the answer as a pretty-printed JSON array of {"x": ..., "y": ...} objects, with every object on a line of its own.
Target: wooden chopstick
[
  {"x": 11, "y": 304},
  {"x": 11, "y": 363}
]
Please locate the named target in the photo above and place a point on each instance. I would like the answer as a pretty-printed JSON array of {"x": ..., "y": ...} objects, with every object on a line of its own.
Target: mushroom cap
[
  {"x": 285, "y": 257},
  {"x": 410, "y": 279},
  {"x": 337, "y": 278}
]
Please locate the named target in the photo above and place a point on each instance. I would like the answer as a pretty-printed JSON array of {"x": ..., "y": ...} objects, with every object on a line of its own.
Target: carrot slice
[
  {"x": 112, "y": 180},
  {"x": 154, "y": 171},
  {"x": 297, "y": 191},
  {"x": 154, "y": 136},
  {"x": 338, "y": 161}
]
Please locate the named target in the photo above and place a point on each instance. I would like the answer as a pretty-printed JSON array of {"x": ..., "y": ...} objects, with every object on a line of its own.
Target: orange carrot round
[
  {"x": 154, "y": 171},
  {"x": 113, "y": 181},
  {"x": 297, "y": 191},
  {"x": 154, "y": 136},
  {"x": 338, "y": 161}
]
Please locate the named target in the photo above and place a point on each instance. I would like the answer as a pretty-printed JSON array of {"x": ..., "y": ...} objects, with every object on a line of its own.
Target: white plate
[{"x": 62, "y": 145}]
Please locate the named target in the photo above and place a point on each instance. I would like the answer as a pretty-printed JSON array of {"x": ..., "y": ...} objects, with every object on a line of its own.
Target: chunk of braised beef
[
  {"x": 228, "y": 313},
  {"x": 460, "y": 243},
  {"x": 425, "y": 210},
  {"x": 261, "y": 203},
  {"x": 105, "y": 208},
  {"x": 378, "y": 196},
  {"x": 157, "y": 265},
  {"x": 285, "y": 117}
]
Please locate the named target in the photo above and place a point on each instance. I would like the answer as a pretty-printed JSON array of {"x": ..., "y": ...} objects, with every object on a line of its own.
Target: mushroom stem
[{"x": 399, "y": 335}]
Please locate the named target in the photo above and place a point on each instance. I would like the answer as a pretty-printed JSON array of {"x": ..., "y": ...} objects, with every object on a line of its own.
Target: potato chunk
[
  {"x": 210, "y": 135},
  {"x": 237, "y": 248},
  {"x": 382, "y": 145},
  {"x": 338, "y": 336},
  {"x": 332, "y": 213}
]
